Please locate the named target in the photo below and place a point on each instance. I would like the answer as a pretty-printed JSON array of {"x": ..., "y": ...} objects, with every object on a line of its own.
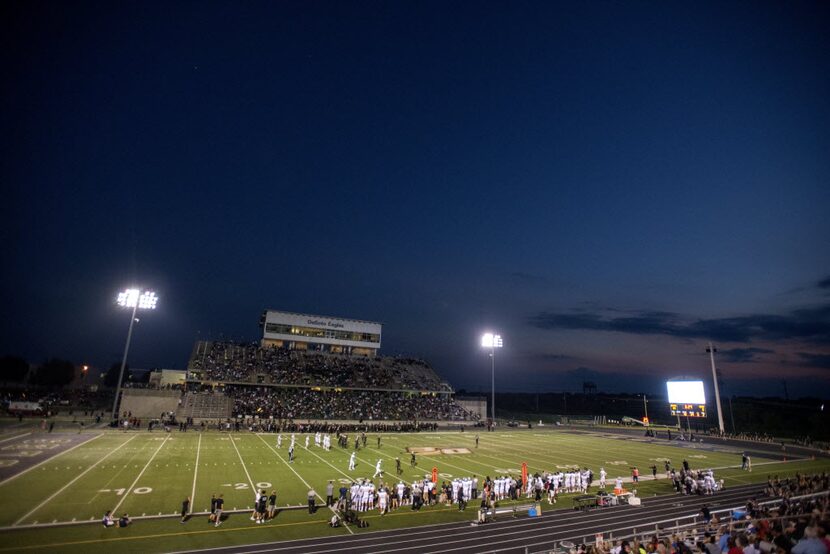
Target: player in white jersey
[
  {"x": 354, "y": 492},
  {"x": 306, "y": 442},
  {"x": 366, "y": 500},
  {"x": 351, "y": 461},
  {"x": 618, "y": 484},
  {"x": 467, "y": 488},
  {"x": 602, "y": 475},
  {"x": 399, "y": 489},
  {"x": 383, "y": 497},
  {"x": 279, "y": 440},
  {"x": 378, "y": 470}
]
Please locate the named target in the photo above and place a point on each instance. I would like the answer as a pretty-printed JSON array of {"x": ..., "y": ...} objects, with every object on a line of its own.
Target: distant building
[{"x": 320, "y": 333}]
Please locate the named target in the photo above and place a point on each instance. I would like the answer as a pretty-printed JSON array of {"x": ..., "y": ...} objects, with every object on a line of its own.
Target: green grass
[{"x": 151, "y": 473}]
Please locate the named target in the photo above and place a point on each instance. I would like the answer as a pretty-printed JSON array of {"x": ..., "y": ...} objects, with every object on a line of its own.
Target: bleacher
[
  {"x": 205, "y": 406},
  {"x": 250, "y": 363},
  {"x": 294, "y": 383},
  {"x": 149, "y": 402}
]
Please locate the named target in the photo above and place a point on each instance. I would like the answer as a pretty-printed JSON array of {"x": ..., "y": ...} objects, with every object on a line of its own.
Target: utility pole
[{"x": 711, "y": 350}]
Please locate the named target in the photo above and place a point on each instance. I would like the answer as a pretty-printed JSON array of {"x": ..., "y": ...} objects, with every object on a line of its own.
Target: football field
[{"x": 148, "y": 475}]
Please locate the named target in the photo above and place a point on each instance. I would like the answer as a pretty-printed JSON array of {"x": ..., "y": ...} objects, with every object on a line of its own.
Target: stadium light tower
[
  {"x": 137, "y": 300},
  {"x": 491, "y": 341},
  {"x": 711, "y": 350}
]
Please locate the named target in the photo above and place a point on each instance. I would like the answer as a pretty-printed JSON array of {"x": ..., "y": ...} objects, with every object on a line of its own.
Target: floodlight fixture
[
  {"x": 135, "y": 299},
  {"x": 148, "y": 301},
  {"x": 490, "y": 340}
]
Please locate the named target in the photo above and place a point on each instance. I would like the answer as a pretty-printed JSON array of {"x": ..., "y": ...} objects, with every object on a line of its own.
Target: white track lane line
[
  {"x": 128, "y": 491},
  {"x": 66, "y": 486}
]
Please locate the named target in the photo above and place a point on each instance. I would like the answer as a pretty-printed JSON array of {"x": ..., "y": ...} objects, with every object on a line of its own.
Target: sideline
[{"x": 158, "y": 536}]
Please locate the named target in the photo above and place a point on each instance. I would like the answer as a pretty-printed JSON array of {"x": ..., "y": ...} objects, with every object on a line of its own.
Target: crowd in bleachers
[
  {"x": 791, "y": 526},
  {"x": 247, "y": 362},
  {"x": 295, "y": 403}
]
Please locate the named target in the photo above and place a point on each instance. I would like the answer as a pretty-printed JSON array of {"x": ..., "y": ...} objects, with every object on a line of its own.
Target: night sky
[{"x": 608, "y": 185}]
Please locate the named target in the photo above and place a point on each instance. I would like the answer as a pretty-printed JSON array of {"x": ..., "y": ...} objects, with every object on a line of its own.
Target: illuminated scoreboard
[
  {"x": 688, "y": 410},
  {"x": 686, "y": 398}
]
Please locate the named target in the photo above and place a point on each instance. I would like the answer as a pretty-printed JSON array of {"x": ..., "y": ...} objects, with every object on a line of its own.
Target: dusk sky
[{"x": 608, "y": 185}]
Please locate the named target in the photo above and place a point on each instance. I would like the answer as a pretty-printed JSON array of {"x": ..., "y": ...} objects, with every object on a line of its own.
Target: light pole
[
  {"x": 491, "y": 341},
  {"x": 135, "y": 299},
  {"x": 645, "y": 407},
  {"x": 711, "y": 350}
]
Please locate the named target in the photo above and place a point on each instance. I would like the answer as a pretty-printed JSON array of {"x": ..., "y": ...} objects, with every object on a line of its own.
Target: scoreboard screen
[{"x": 688, "y": 410}]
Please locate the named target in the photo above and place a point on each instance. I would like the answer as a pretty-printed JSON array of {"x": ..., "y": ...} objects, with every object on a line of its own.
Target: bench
[
  {"x": 585, "y": 502},
  {"x": 489, "y": 514}
]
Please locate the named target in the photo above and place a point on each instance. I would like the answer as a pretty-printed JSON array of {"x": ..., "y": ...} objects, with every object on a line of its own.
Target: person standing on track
[
  {"x": 220, "y": 503},
  {"x": 185, "y": 508}
]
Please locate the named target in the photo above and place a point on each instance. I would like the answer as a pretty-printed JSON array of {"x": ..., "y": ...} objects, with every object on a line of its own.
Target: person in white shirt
[
  {"x": 602, "y": 475},
  {"x": 382, "y": 501},
  {"x": 378, "y": 471},
  {"x": 618, "y": 484},
  {"x": 400, "y": 489},
  {"x": 351, "y": 461},
  {"x": 306, "y": 442},
  {"x": 279, "y": 440}
]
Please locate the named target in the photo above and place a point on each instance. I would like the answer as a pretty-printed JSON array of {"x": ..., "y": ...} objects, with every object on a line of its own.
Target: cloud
[
  {"x": 807, "y": 324},
  {"x": 824, "y": 283},
  {"x": 742, "y": 355},
  {"x": 815, "y": 360}
]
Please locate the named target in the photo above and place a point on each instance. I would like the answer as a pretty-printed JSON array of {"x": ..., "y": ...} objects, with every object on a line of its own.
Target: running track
[{"x": 511, "y": 535}]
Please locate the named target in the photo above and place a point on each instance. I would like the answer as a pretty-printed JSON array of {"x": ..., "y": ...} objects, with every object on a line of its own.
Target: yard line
[
  {"x": 127, "y": 492},
  {"x": 303, "y": 480},
  {"x": 27, "y": 470},
  {"x": 16, "y": 437},
  {"x": 66, "y": 486},
  {"x": 251, "y": 481},
  {"x": 195, "y": 472},
  {"x": 330, "y": 465}
]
